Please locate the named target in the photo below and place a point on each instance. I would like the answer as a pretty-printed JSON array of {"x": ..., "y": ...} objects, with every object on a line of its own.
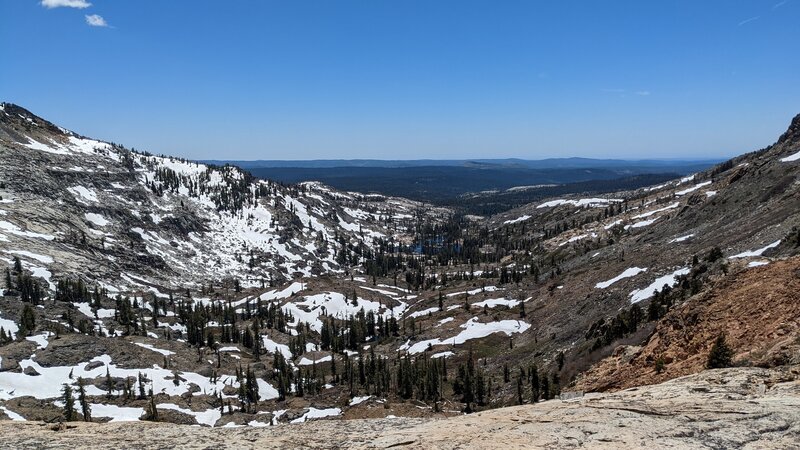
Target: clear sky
[{"x": 409, "y": 79}]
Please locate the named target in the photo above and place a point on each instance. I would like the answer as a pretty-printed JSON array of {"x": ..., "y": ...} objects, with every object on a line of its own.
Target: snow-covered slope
[{"x": 131, "y": 219}]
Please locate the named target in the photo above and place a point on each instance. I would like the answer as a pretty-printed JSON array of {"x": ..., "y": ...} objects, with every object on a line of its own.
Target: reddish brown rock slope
[{"x": 758, "y": 309}]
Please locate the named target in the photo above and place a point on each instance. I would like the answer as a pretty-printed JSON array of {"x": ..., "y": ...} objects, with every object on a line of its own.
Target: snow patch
[
  {"x": 791, "y": 158},
  {"x": 208, "y": 417},
  {"x": 642, "y": 223},
  {"x": 591, "y": 202},
  {"x": 424, "y": 312},
  {"x": 358, "y": 400},
  {"x": 518, "y": 219},
  {"x": 472, "y": 330},
  {"x": 682, "y": 238},
  {"x": 693, "y": 188},
  {"x": 41, "y": 258},
  {"x": 656, "y": 286},
  {"x": 656, "y": 211},
  {"x": 157, "y": 350},
  {"x": 307, "y": 362},
  {"x": 630, "y": 272},
  {"x": 117, "y": 413},
  {"x": 13, "y": 229},
  {"x": 40, "y": 340},
  {"x": 82, "y": 193},
  {"x": 314, "y": 413},
  {"x": 12, "y": 415},
  {"x": 96, "y": 219},
  {"x": 494, "y": 302},
  {"x": 756, "y": 252}
]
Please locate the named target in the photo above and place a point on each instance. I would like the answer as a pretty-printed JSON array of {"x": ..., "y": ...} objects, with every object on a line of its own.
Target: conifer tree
[
  {"x": 9, "y": 283},
  {"x": 252, "y": 388},
  {"x": 555, "y": 385},
  {"x": 533, "y": 374},
  {"x": 86, "y": 410},
  {"x": 109, "y": 384},
  {"x": 721, "y": 354},
  {"x": 151, "y": 412},
  {"x": 142, "y": 380},
  {"x": 27, "y": 323},
  {"x": 545, "y": 387},
  {"x": 69, "y": 403}
]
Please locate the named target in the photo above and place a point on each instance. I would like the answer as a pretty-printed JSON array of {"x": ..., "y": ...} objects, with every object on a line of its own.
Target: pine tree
[
  {"x": 467, "y": 382},
  {"x": 555, "y": 385},
  {"x": 109, "y": 384},
  {"x": 69, "y": 403},
  {"x": 151, "y": 412},
  {"x": 142, "y": 380},
  {"x": 128, "y": 389},
  {"x": 86, "y": 410},
  {"x": 27, "y": 323},
  {"x": 721, "y": 354},
  {"x": 714, "y": 254},
  {"x": 545, "y": 387},
  {"x": 533, "y": 374},
  {"x": 252, "y": 388},
  {"x": 9, "y": 283},
  {"x": 256, "y": 339}
]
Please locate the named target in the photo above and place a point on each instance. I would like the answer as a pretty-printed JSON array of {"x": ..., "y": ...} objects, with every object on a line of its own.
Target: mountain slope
[
  {"x": 758, "y": 310},
  {"x": 73, "y": 205}
]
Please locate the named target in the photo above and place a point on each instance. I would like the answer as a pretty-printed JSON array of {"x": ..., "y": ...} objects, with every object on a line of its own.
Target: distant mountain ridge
[
  {"x": 548, "y": 163},
  {"x": 447, "y": 182}
]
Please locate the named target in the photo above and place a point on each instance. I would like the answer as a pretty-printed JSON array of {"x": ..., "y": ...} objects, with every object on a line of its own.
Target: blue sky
[{"x": 409, "y": 79}]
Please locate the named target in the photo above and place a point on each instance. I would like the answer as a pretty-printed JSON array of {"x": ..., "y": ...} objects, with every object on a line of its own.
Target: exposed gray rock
[{"x": 729, "y": 408}]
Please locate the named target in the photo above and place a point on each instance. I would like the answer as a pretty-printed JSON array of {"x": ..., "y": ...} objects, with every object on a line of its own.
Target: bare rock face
[
  {"x": 724, "y": 408},
  {"x": 792, "y": 135},
  {"x": 758, "y": 310}
]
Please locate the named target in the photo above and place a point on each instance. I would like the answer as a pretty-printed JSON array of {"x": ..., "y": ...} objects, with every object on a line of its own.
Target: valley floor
[{"x": 727, "y": 408}]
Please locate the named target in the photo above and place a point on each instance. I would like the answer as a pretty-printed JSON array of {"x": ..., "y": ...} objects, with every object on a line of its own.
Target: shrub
[{"x": 721, "y": 354}]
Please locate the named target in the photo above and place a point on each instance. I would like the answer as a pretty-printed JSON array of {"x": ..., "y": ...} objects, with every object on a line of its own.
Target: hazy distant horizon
[{"x": 446, "y": 161}]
